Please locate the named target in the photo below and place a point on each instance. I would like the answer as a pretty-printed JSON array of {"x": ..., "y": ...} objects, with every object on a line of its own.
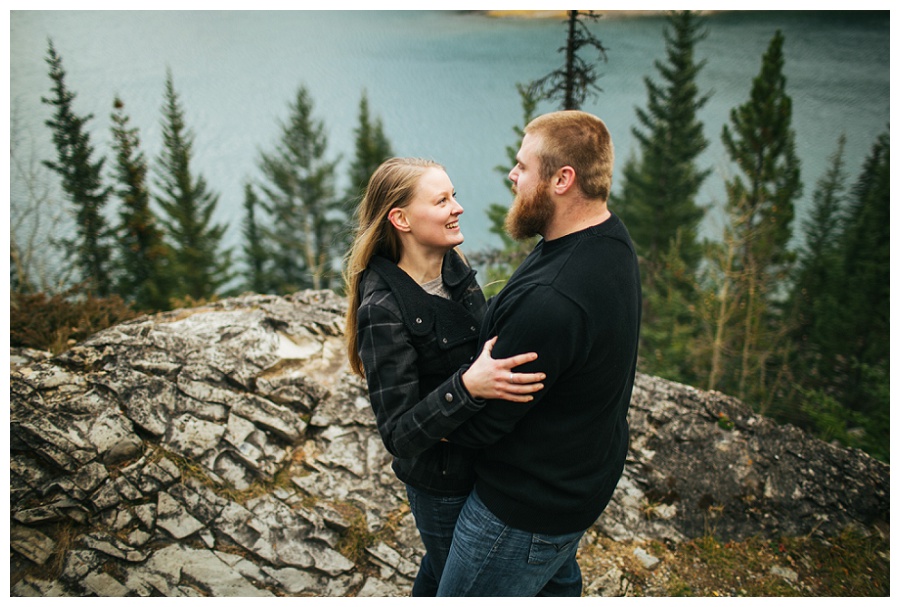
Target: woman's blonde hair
[{"x": 392, "y": 185}]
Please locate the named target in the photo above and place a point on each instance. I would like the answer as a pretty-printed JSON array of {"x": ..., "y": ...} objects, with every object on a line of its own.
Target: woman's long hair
[{"x": 392, "y": 185}]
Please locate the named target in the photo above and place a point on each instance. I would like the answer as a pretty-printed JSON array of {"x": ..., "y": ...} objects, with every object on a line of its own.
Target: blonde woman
[{"x": 413, "y": 321}]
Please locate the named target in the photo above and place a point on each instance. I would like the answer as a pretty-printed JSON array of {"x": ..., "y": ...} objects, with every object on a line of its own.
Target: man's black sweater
[{"x": 550, "y": 466}]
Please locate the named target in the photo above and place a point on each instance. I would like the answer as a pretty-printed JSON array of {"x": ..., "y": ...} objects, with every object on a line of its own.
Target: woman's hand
[{"x": 490, "y": 378}]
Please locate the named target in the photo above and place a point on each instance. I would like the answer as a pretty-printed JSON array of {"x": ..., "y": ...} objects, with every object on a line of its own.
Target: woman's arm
[{"x": 409, "y": 425}]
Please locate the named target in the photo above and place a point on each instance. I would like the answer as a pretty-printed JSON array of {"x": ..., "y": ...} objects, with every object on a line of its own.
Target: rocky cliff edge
[{"x": 226, "y": 450}]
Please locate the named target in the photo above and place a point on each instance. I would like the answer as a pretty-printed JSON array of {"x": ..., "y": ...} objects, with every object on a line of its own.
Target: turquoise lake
[{"x": 442, "y": 82}]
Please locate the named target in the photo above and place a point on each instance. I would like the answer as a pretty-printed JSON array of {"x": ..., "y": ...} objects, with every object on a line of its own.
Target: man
[{"x": 548, "y": 468}]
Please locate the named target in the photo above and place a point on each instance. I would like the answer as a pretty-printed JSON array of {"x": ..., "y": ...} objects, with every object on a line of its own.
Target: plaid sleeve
[{"x": 408, "y": 425}]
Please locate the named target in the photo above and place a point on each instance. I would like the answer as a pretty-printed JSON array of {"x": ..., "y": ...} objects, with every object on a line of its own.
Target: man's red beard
[{"x": 529, "y": 214}]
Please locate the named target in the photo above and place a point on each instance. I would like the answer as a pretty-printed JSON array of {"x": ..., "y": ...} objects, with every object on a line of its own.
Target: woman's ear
[{"x": 398, "y": 219}]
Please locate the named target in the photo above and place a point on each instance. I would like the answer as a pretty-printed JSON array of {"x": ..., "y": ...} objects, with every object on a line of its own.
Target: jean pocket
[{"x": 546, "y": 548}]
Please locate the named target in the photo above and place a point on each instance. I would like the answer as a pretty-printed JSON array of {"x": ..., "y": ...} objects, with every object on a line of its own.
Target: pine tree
[
  {"x": 81, "y": 182},
  {"x": 577, "y": 78},
  {"x": 661, "y": 186},
  {"x": 658, "y": 199},
  {"x": 842, "y": 300},
  {"x": 299, "y": 195},
  {"x": 859, "y": 339},
  {"x": 144, "y": 258},
  {"x": 256, "y": 255},
  {"x": 813, "y": 295},
  {"x": 760, "y": 141},
  {"x": 200, "y": 268},
  {"x": 372, "y": 148}
]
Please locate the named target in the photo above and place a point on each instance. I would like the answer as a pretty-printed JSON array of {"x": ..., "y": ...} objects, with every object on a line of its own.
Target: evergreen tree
[
  {"x": 860, "y": 334},
  {"x": 200, "y": 268},
  {"x": 660, "y": 188},
  {"x": 842, "y": 301},
  {"x": 812, "y": 298},
  {"x": 577, "y": 78},
  {"x": 81, "y": 182},
  {"x": 372, "y": 148},
  {"x": 256, "y": 255},
  {"x": 299, "y": 195},
  {"x": 760, "y": 141},
  {"x": 658, "y": 199},
  {"x": 144, "y": 258}
]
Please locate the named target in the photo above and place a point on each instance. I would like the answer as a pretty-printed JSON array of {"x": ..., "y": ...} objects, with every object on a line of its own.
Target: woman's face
[{"x": 432, "y": 216}]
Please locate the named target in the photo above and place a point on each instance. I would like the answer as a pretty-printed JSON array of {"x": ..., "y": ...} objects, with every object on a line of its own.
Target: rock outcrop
[{"x": 226, "y": 450}]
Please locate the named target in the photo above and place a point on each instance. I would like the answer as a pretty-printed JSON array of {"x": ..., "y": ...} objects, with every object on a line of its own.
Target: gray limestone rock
[{"x": 226, "y": 450}]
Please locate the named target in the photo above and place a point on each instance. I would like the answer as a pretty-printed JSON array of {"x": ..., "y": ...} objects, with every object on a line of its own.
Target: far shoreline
[{"x": 612, "y": 14}]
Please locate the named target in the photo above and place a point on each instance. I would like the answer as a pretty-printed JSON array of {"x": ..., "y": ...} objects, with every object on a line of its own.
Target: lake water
[{"x": 442, "y": 82}]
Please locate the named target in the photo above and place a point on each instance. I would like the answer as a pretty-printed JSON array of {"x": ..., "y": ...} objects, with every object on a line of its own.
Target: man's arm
[{"x": 540, "y": 321}]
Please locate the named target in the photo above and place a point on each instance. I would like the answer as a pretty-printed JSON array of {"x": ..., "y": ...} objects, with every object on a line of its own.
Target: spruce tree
[
  {"x": 82, "y": 183},
  {"x": 658, "y": 198},
  {"x": 858, "y": 342},
  {"x": 371, "y": 149},
  {"x": 299, "y": 195},
  {"x": 841, "y": 299},
  {"x": 256, "y": 254},
  {"x": 577, "y": 78},
  {"x": 813, "y": 294},
  {"x": 200, "y": 268},
  {"x": 144, "y": 257},
  {"x": 760, "y": 141},
  {"x": 660, "y": 187}
]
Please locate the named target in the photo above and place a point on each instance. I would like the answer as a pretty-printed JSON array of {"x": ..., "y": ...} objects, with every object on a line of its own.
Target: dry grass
[{"x": 848, "y": 565}]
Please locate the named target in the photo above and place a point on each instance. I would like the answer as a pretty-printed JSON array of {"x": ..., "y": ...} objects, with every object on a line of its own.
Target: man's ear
[
  {"x": 398, "y": 219},
  {"x": 563, "y": 180}
]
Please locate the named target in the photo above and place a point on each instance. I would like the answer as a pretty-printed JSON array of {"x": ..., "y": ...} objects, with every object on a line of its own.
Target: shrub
[{"x": 55, "y": 323}]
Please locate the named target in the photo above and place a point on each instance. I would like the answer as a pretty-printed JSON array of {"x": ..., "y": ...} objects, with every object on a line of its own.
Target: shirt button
[
  {"x": 444, "y": 340},
  {"x": 448, "y": 397},
  {"x": 418, "y": 321},
  {"x": 472, "y": 328}
]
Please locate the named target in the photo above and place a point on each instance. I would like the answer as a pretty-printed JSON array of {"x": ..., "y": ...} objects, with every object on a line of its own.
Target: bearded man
[{"x": 548, "y": 468}]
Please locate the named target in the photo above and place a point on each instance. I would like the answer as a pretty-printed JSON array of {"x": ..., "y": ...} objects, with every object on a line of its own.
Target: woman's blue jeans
[
  {"x": 435, "y": 517},
  {"x": 490, "y": 558}
]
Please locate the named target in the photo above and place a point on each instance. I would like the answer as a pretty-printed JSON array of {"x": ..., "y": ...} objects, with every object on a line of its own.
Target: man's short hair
[{"x": 579, "y": 140}]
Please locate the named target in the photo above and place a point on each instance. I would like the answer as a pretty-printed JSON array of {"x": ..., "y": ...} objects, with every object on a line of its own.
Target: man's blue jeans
[
  {"x": 435, "y": 517},
  {"x": 490, "y": 558}
]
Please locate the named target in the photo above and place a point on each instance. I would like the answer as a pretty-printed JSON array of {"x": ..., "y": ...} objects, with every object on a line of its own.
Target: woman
[{"x": 413, "y": 319}]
